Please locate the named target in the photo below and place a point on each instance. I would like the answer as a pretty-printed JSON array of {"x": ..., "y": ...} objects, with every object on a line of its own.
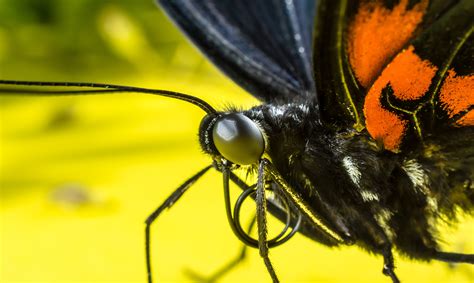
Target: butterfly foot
[
  {"x": 198, "y": 277},
  {"x": 389, "y": 266},
  {"x": 389, "y": 271}
]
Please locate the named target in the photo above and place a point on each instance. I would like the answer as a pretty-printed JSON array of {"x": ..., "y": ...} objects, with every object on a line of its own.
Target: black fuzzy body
[
  {"x": 387, "y": 199},
  {"x": 294, "y": 57}
]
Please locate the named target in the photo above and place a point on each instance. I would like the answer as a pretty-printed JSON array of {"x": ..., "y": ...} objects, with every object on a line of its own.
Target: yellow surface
[{"x": 125, "y": 154}]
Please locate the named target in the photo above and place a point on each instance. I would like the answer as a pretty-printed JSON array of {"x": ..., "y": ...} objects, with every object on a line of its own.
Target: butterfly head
[{"x": 232, "y": 136}]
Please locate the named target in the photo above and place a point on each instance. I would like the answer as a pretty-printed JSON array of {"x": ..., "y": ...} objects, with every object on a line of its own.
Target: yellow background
[{"x": 124, "y": 154}]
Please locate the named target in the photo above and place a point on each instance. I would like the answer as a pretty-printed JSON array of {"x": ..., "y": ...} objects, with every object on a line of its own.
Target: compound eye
[{"x": 238, "y": 139}]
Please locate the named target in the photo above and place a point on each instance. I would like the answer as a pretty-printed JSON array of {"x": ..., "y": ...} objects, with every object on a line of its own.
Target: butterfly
[{"x": 364, "y": 135}]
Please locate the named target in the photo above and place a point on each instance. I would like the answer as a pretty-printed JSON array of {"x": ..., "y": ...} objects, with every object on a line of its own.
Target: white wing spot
[
  {"x": 351, "y": 169},
  {"x": 278, "y": 110},
  {"x": 420, "y": 181},
  {"x": 304, "y": 108},
  {"x": 416, "y": 173},
  {"x": 369, "y": 196}
]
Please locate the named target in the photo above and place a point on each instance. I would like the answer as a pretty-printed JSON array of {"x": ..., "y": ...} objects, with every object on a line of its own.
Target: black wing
[{"x": 265, "y": 46}]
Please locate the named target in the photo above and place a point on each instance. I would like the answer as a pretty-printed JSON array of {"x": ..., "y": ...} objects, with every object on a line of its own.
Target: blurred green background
[{"x": 79, "y": 175}]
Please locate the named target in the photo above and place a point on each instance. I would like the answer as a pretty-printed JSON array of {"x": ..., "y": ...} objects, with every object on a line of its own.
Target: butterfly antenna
[{"x": 93, "y": 88}]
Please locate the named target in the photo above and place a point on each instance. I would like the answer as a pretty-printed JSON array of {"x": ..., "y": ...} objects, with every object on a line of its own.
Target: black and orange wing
[
  {"x": 398, "y": 69},
  {"x": 354, "y": 41},
  {"x": 428, "y": 86},
  {"x": 402, "y": 70}
]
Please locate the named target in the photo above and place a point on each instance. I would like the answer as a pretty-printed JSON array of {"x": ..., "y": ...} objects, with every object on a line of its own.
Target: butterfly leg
[
  {"x": 228, "y": 266},
  {"x": 172, "y": 199},
  {"x": 388, "y": 264},
  {"x": 262, "y": 221},
  {"x": 454, "y": 257}
]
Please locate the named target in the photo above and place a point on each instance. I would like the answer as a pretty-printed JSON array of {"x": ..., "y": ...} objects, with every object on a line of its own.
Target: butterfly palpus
[{"x": 360, "y": 144}]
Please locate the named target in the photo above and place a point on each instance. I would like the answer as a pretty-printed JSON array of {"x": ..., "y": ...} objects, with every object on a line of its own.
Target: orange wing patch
[
  {"x": 410, "y": 78},
  {"x": 467, "y": 119},
  {"x": 377, "y": 33},
  {"x": 457, "y": 95},
  {"x": 383, "y": 125}
]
